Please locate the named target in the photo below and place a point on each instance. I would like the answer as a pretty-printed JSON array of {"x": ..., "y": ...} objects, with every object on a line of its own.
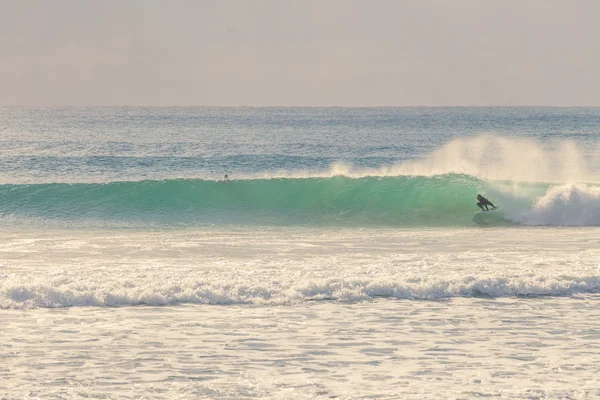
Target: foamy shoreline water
[
  {"x": 463, "y": 348},
  {"x": 300, "y": 313},
  {"x": 279, "y": 266}
]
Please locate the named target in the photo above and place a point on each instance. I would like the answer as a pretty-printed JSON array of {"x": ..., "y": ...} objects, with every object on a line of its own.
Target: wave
[
  {"x": 534, "y": 183},
  {"x": 444, "y": 200},
  {"x": 20, "y": 293},
  {"x": 376, "y": 200}
]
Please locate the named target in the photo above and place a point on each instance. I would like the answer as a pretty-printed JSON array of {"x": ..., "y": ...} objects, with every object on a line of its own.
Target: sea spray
[{"x": 491, "y": 157}]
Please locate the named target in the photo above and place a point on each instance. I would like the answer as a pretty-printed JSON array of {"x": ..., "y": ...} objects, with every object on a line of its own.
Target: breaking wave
[
  {"x": 16, "y": 293},
  {"x": 534, "y": 184}
]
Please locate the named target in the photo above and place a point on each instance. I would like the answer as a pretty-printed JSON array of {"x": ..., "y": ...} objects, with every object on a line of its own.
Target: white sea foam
[
  {"x": 15, "y": 294},
  {"x": 548, "y": 205},
  {"x": 565, "y": 205},
  {"x": 285, "y": 267},
  {"x": 464, "y": 348}
]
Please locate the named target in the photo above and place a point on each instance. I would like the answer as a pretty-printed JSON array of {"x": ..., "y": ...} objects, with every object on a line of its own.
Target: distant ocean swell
[
  {"x": 438, "y": 200},
  {"x": 18, "y": 292}
]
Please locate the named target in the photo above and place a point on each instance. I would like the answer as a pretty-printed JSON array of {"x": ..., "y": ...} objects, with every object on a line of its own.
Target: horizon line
[{"x": 296, "y": 106}]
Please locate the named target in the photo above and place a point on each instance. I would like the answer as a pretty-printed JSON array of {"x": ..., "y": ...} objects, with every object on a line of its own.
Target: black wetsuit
[{"x": 484, "y": 202}]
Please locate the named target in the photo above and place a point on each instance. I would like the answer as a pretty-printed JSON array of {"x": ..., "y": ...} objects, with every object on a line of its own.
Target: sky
[{"x": 299, "y": 52}]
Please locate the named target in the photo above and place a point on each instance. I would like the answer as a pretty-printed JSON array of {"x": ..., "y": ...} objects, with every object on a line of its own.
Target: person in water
[{"x": 484, "y": 202}]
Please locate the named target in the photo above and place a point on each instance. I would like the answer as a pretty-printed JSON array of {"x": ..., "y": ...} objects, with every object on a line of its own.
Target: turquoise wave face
[{"x": 443, "y": 200}]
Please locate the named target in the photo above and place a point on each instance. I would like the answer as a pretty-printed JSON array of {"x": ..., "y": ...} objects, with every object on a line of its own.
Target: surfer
[{"x": 484, "y": 202}]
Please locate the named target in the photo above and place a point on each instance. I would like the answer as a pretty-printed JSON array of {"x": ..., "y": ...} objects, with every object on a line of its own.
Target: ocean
[{"x": 342, "y": 257}]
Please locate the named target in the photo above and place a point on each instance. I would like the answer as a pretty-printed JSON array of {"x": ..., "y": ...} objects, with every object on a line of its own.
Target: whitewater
[{"x": 341, "y": 258}]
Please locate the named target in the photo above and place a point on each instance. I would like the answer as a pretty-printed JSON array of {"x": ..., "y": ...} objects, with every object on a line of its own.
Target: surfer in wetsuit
[{"x": 484, "y": 202}]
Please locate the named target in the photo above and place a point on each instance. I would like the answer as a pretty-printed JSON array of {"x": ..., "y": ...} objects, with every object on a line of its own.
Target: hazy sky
[{"x": 305, "y": 52}]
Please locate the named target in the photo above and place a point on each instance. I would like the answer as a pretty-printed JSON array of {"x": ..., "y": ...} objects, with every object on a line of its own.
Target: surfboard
[{"x": 485, "y": 212}]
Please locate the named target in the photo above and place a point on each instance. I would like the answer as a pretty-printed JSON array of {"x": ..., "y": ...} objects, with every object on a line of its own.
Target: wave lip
[{"x": 16, "y": 294}]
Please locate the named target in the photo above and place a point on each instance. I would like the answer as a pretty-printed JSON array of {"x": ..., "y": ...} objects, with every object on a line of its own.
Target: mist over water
[{"x": 514, "y": 159}]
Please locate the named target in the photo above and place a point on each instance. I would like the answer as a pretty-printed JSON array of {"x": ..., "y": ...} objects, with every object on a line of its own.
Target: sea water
[{"x": 341, "y": 258}]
